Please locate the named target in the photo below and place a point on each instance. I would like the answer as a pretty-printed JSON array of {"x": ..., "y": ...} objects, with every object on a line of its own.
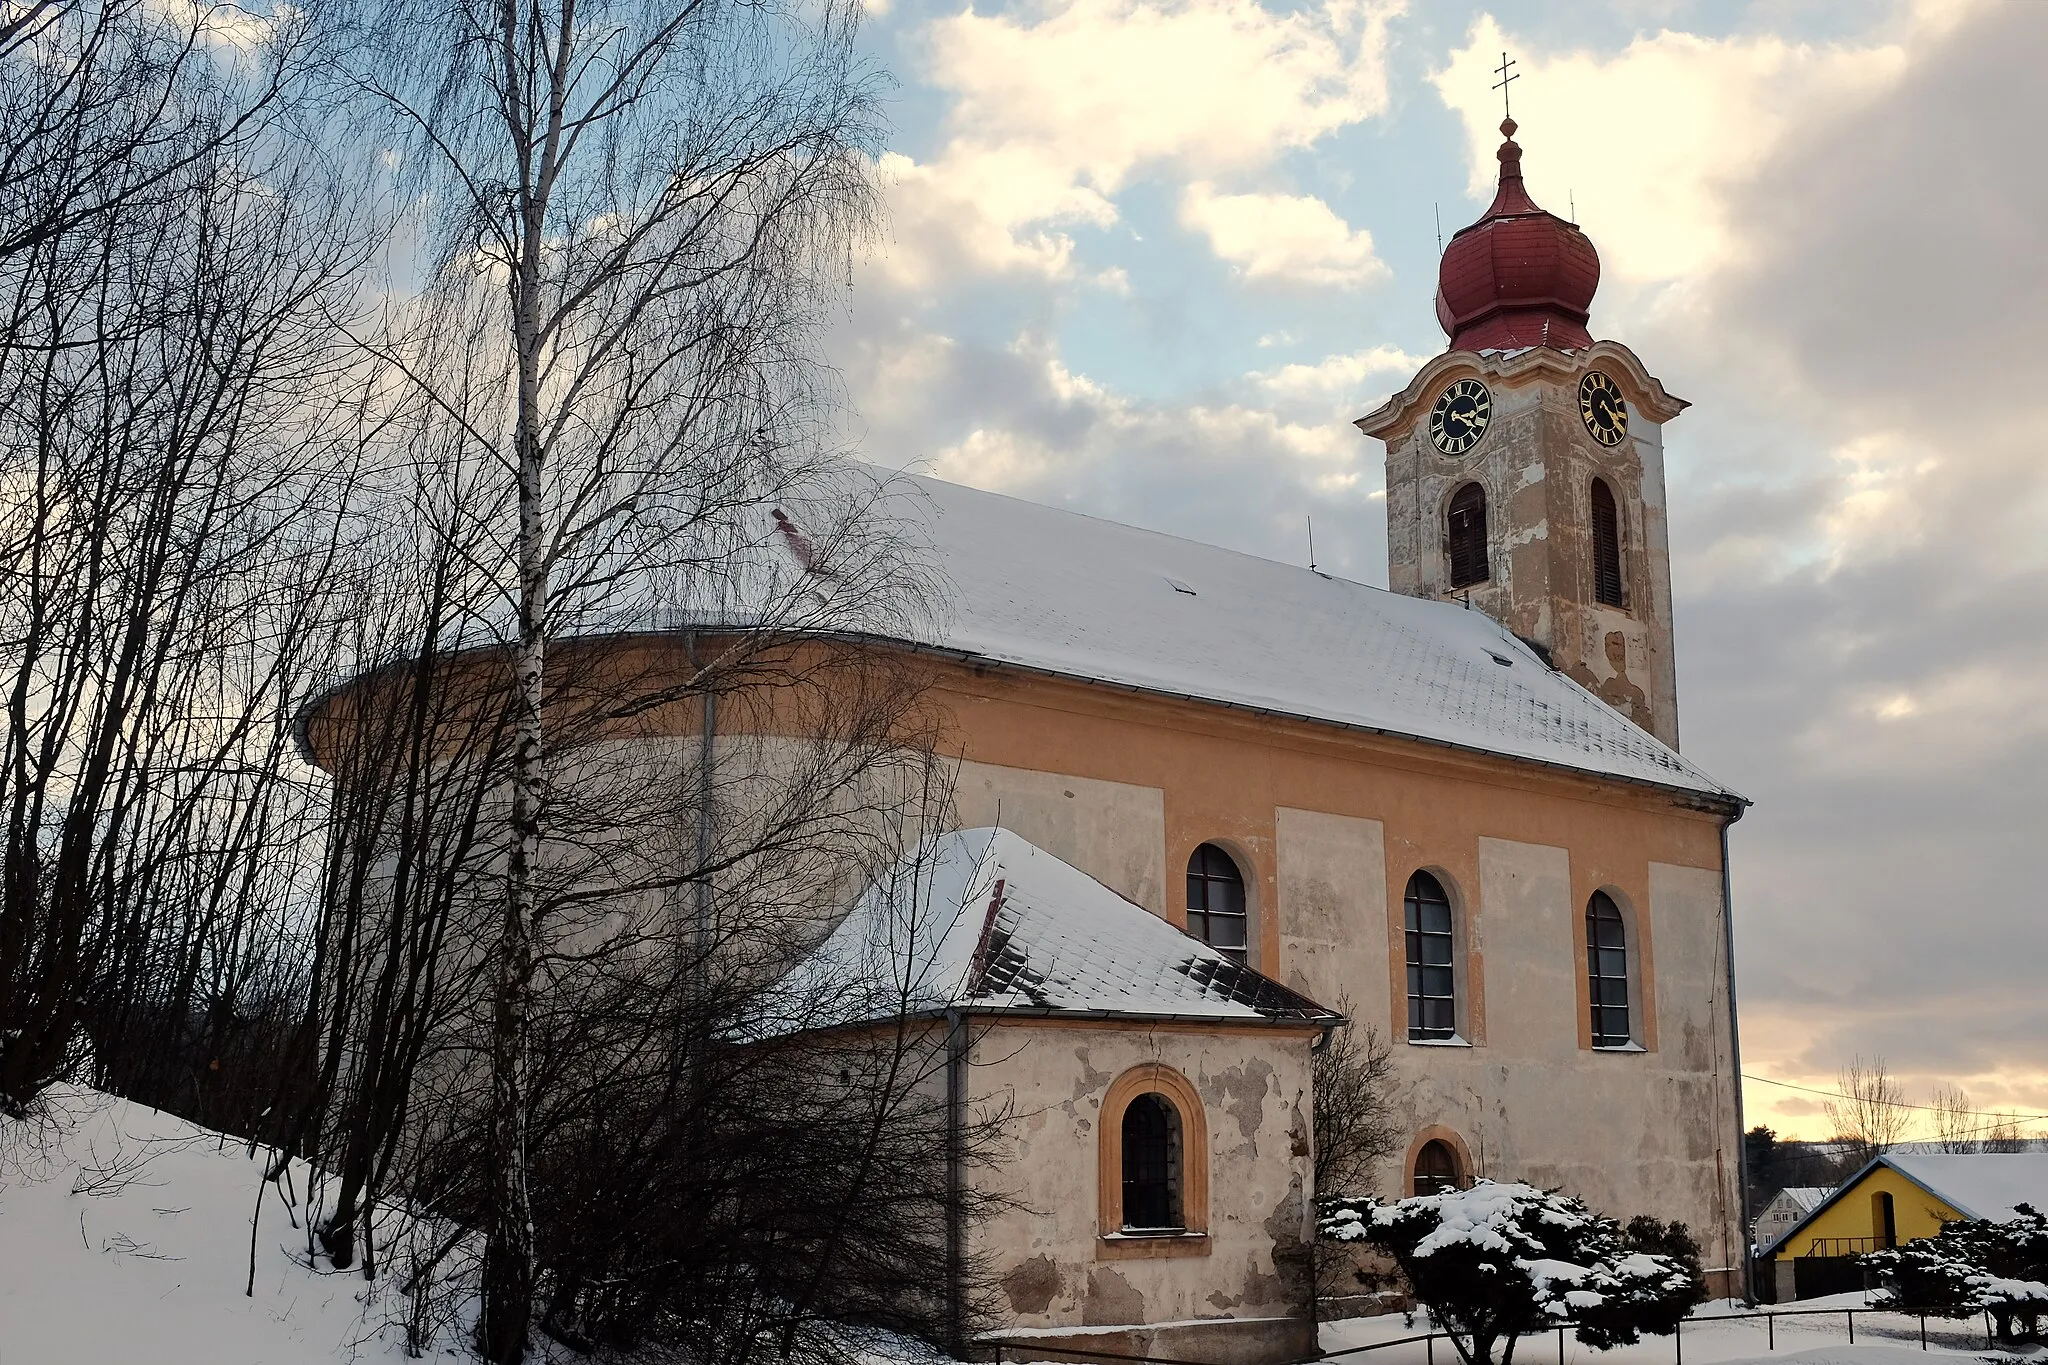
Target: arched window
[
  {"x": 1436, "y": 1168},
  {"x": 1152, "y": 1171},
  {"x": 1216, "y": 903},
  {"x": 1607, "y": 971},
  {"x": 1606, "y": 547},
  {"x": 1465, "y": 536},
  {"x": 1432, "y": 985},
  {"x": 1152, "y": 1165}
]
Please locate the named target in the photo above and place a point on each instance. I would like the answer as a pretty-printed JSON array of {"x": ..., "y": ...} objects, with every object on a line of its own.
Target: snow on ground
[
  {"x": 1818, "y": 1339},
  {"x": 125, "y": 1240}
]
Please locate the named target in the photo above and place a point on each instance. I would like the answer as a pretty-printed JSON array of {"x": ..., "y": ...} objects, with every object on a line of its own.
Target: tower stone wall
[{"x": 1536, "y": 462}]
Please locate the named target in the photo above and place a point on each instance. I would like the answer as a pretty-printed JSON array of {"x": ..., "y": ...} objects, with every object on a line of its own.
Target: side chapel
[{"x": 1454, "y": 812}]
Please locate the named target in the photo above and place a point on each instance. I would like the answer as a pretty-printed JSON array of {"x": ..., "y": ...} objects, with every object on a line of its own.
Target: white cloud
[
  {"x": 1054, "y": 114},
  {"x": 1647, "y": 141},
  {"x": 1341, "y": 378},
  {"x": 1297, "y": 239}
]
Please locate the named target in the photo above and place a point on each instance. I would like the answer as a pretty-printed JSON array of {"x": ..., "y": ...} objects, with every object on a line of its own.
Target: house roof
[
  {"x": 1975, "y": 1184},
  {"x": 1806, "y": 1196},
  {"x": 983, "y": 920},
  {"x": 1054, "y": 590}
]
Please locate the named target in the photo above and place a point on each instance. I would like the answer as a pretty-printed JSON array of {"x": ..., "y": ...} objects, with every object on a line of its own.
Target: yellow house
[{"x": 1900, "y": 1197}]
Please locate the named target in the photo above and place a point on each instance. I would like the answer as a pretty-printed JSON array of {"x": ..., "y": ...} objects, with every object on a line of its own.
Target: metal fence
[{"x": 1905, "y": 1325}]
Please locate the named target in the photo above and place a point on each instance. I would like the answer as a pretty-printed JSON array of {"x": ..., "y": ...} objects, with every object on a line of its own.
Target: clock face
[
  {"x": 1460, "y": 416},
  {"x": 1601, "y": 406}
]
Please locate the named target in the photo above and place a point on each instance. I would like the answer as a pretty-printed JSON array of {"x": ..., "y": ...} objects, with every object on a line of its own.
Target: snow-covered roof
[
  {"x": 1974, "y": 1184},
  {"x": 982, "y": 919},
  {"x": 1054, "y": 590},
  {"x": 1978, "y": 1184},
  {"x": 1804, "y": 1197}
]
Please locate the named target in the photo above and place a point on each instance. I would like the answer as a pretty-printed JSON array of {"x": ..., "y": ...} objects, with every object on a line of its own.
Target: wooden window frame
[
  {"x": 1112, "y": 1243},
  {"x": 1436, "y": 1132}
]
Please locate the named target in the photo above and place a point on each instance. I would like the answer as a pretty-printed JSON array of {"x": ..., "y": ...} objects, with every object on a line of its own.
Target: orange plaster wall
[{"x": 1224, "y": 773}]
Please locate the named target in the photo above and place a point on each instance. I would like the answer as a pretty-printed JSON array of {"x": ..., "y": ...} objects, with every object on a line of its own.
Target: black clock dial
[
  {"x": 1602, "y": 408},
  {"x": 1460, "y": 416}
]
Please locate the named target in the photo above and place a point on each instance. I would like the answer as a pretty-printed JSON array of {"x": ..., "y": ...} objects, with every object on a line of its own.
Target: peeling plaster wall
[{"x": 1045, "y": 1255}]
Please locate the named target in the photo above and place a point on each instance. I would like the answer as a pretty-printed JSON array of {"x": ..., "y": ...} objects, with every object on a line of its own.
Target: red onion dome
[{"x": 1518, "y": 277}]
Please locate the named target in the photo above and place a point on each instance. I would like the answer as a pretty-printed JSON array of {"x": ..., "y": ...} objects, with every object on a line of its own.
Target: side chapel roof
[{"x": 983, "y": 920}]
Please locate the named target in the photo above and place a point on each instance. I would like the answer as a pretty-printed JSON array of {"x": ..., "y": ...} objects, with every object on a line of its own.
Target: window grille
[
  {"x": 1216, "y": 902},
  {"x": 1607, "y": 971},
  {"x": 1432, "y": 986},
  {"x": 1152, "y": 1159}
]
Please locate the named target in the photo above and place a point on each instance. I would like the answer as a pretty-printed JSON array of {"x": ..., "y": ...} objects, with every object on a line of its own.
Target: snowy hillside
[{"x": 125, "y": 1237}]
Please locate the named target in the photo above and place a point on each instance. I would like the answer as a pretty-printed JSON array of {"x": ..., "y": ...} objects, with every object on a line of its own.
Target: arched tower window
[
  {"x": 1216, "y": 901},
  {"x": 1606, "y": 547},
  {"x": 1607, "y": 971},
  {"x": 1432, "y": 983},
  {"x": 1465, "y": 536},
  {"x": 1152, "y": 1165},
  {"x": 1436, "y": 1168}
]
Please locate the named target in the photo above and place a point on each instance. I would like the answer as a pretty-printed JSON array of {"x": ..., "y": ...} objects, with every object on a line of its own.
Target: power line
[{"x": 1902, "y": 1104}]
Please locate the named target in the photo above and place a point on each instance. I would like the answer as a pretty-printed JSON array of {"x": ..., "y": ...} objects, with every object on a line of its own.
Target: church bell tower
[{"x": 1525, "y": 465}]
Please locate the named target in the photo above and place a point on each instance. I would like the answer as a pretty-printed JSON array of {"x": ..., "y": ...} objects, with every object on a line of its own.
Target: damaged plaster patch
[
  {"x": 1090, "y": 1079},
  {"x": 1112, "y": 1300},
  {"x": 1033, "y": 1285},
  {"x": 1244, "y": 1094}
]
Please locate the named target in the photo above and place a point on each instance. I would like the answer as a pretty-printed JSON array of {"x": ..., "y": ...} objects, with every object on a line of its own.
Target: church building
[
  {"x": 1454, "y": 812},
  {"x": 1204, "y": 809}
]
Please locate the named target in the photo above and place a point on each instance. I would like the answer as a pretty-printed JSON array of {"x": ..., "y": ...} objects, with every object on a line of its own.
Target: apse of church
[{"x": 1525, "y": 465}]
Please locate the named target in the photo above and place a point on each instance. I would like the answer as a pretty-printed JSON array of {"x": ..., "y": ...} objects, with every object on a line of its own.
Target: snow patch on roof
[
  {"x": 1058, "y": 591},
  {"x": 1979, "y": 1184}
]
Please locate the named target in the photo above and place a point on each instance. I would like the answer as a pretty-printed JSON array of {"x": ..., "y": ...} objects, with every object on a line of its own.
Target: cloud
[
  {"x": 1239, "y": 468},
  {"x": 1295, "y": 239},
  {"x": 1648, "y": 141},
  {"x": 1055, "y": 113},
  {"x": 1857, "y": 508}
]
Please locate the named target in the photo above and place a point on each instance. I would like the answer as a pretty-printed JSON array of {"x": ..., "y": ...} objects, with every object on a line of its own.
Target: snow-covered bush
[
  {"x": 1499, "y": 1260},
  {"x": 1974, "y": 1265}
]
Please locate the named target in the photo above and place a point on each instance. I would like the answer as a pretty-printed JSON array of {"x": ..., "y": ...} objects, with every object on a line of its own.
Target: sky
[{"x": 1148, "y": 258}]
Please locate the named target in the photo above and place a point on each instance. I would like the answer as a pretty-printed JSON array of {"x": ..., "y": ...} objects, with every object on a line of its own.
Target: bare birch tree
[
  {"x": 637, "y": 209},
  {"x": 1872, "y": 1114}
]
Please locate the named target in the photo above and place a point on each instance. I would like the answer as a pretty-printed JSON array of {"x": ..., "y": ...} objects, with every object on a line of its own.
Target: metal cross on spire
[{"x": 1502, "y": 86}]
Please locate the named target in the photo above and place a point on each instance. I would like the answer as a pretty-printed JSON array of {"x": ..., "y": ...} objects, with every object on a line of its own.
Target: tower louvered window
[
  {"x": 1465, "y": 536},
  {"x": 1606, "y": 547}
]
